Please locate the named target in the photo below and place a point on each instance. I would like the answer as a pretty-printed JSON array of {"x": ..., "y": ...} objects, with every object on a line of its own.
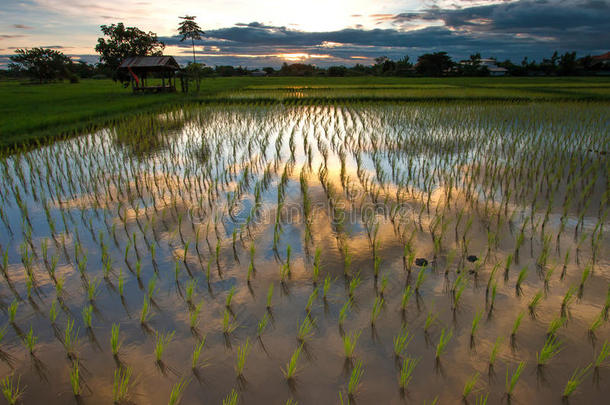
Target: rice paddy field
[{"x": 343, "y": 252}]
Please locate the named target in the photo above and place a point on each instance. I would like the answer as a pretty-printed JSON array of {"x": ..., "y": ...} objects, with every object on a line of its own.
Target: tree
[
  {"x": 337, "y": 71},
  {"x": 403, "y": 66},
  {"x": 42, "y": 64},
  {"x": 124, "y": 42},
  {"x": 473, "y": 67},
  {"x": 433, "y": 64},
  {"x": 269, "y": 70},
  {"x": 567, "y": 64},
  {"x": 549, "y": 66},
  {"x": 189, "y": 28}
]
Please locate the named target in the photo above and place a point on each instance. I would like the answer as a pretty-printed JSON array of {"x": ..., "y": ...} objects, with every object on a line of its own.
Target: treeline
[{"x": 441, "y": 64}]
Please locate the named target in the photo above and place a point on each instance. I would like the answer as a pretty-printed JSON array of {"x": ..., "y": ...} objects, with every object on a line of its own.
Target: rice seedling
[
  {"x": 406, "y": 296},
  {"x": 354, "y": 380},
  {"x": 469, "y": 386},
  {"x": 232, "y": 398},
  {"x": 11, "y": 389},
  {"x": 475, "y": 323},
  {"x": 310, "y": 301},
  {"x": 75, "y": 379},
  {"x": 494, "y": 352},
  {"x": 534, "y": 302},
  {"x": 70, "y": 339},
  {"x": 229, "y": 297},
  {"x": 568, "y": 298},
  {"x": 145, "y": 311},
  {"x": 514, "y": 379},
  {"x": 421, "y": 277},
  {"x": 316, "y": 266},
  {"x": 494, "y": 293},
  {"x": 353, "y": 284},
  {"x": 443, "y": 341},
  {"x": 242, "y": 355},
  {"x": 291, "y": 367},
  {"x": 269, "y": 296},
  {"x": 88, "y": 316},
  {"x": 175, "y": 397},
  {"x": 121, "y": 384},
  {"x": 575, "y": 380},
  {"x": 406, "y": 372},
  {"x": 92, "y": 289},
  {"x": 228, "y": 325},
  {"x": 12, "y": 311},
  {"x": 162, "y": 340},
  {"x": 344, "y": 311},
  {"x": 597, "y": 322},
  {"x": 326, "y": 287},
  {"x": 481, "y": 399},
  {"x": 121, "y": 283},
  {"x": 305, "y": 330},
  {"x": 516, "y": 324},
  {"x": 376, "y": 311},
  {"x": 520, "y": 279},
  {"x": 555, "y": 325},
  {"x": 115, "y": 343},
  {"x": 430, "y": 319},
  {"x": 151, "y": 287},
  {"x": 262, "y": 325},
  {"x": 30, "y": 341},
  {"x": 197, "y": 353},
  {"x": 190, "y": 290},
  {"x": 552, "y": 346},
  {"x": 401, "y": 341},
  {"x": 349, "y": 343}
]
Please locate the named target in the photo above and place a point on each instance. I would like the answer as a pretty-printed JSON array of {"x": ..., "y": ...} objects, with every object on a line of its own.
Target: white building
[{"x": 494, "y": 69}]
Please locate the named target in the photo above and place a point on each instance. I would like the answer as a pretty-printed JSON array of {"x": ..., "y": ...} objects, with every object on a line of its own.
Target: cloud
[
  {"x": 506, "y": 29},
  {"x": 578, "y": 24},
  {"x": 22, "y": 27},
  {"x": 501, "y": 28},
  {"x": 7, "y": 36}
]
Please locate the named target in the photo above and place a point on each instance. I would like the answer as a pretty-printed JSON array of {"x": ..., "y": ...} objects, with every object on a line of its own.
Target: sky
[{"x": 322, "y": 32}]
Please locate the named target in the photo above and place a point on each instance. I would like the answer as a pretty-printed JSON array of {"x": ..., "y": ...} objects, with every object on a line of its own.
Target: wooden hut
[{"x": 142, "y": 68}]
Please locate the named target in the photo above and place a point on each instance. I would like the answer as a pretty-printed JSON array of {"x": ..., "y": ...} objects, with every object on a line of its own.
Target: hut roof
[{"x": 150, "y": 62}]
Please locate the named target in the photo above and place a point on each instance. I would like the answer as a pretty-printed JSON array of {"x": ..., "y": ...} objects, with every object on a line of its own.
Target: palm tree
[{"x": 189, "y": 28}]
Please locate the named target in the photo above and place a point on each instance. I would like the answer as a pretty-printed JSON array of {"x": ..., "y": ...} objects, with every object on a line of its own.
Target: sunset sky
[{"x": 267, "y": 33}]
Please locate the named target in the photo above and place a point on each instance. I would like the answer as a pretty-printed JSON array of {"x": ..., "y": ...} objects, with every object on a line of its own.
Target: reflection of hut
[{"x": 140, "y": 68}]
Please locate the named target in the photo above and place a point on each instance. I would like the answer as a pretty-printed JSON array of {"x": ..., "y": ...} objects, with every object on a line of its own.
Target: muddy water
[{"x": 204, "y": 185}]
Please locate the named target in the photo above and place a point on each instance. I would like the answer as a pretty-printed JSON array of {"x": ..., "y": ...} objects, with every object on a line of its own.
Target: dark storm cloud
[
  {"x": 510, "y": 29},
  {"x": 573, "y": 23}
]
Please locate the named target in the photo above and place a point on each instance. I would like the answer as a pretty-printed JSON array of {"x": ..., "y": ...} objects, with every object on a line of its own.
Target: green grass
[{"x": 30, "y": 113}]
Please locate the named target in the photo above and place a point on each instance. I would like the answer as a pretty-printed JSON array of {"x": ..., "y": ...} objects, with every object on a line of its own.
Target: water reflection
[{"x": 177, "y": 212}]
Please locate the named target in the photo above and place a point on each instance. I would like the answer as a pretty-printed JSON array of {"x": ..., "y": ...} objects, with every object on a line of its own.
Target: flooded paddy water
[{"x": 399, "y": 253}]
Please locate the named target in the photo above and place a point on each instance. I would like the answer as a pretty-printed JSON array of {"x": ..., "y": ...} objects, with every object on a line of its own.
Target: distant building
[
  {"x": 494, "y": 69},
  {"x": 258, "y": 73},
  {"x": 490, "y": 64},
  {"x": 602, "y": 61}
]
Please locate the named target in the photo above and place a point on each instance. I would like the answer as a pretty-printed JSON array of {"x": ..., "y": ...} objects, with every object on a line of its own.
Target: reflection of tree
[{"x": 145, "y": 135}]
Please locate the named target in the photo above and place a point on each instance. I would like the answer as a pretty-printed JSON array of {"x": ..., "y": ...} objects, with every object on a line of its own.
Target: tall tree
[
  {"x": 124, "y": 42},
  {"x": 42, "y": 64},
  {"x": 189, "y": 28},
  {"x": 434, "y": 64}
]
